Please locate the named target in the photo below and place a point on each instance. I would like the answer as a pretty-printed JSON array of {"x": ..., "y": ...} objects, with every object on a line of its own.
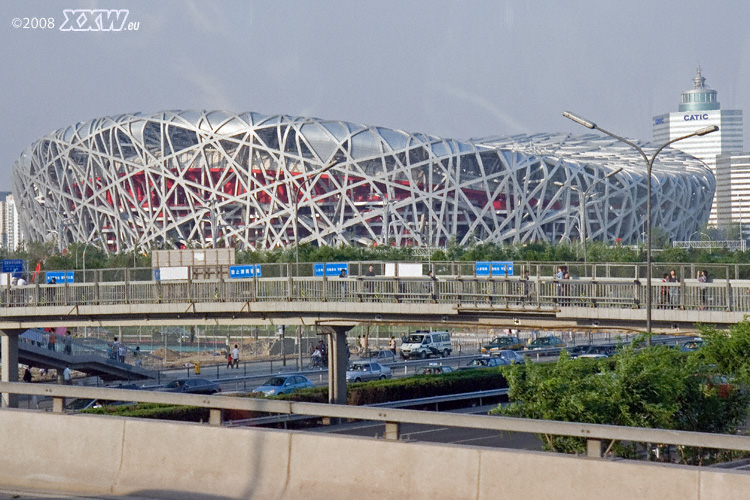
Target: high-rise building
[
  {"x": 700, "y": 108},
  {"x": 10, "y": 222}
]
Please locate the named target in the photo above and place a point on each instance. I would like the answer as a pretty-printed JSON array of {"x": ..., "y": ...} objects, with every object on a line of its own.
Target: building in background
[
  {"x": 11, "y": 236},
  {"x": 700, "y": 108},
  {"x": 215, "y": 178}
]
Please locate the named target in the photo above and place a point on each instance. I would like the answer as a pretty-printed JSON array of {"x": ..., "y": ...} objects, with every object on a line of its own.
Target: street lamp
[
  {"x": 649, "y": 165},
  {"x": 85, "y": 247},
  {"x": 583, "y": 212},
  {"x": 305, "y": 177}
]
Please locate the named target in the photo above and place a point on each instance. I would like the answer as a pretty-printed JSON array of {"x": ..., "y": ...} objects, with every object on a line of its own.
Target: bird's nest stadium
[{"x": 215, "y": 178}]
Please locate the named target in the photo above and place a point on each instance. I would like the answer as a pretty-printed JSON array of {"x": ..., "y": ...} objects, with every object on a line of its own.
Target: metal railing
[
  {"x": 511, "y": 292},
  {"x": 595, "y": 434}
]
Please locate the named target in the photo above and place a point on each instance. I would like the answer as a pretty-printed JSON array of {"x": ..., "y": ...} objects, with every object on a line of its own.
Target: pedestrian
[
  {"x": 229, "y": 358},
  {"x": 370, "y": 284},
  {"x": 52, "y": 342},
  {"x": 432, "y": 286},
  {"x": 115, "y": 352},
  {"x": 342, "y": 275},
  {"x": 121, "y": 352},
  {"x": 27, "y": 375},
  {"x": 558, "y": 276},
  {"x": 674, "y": 290},
  {"x": 702, "y": 280},
  {"x": 392, "y": 344},
  {"x": 67, "y": 376},
  {"x": 526, "y": 287},
  {"x": 236, "y": 356},
  {"x": 68, "y": 344},
  {"x": 137, "y": 356}
]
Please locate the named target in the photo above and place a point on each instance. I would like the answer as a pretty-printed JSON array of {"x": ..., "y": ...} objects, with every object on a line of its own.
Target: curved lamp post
[
  {"x": 316, "y": 174},
  {"x": 86, "y": 247},
  {"x": 649, "y": 165}
]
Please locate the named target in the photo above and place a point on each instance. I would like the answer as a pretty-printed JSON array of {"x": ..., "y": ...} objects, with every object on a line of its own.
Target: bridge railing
[
  {"x": 509, "y": 292},
  {"x": 595, "y": 434}
]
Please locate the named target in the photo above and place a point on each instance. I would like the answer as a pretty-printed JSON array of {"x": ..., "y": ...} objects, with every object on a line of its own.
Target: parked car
[
  {"x": 501, "y": 343},
  {"x": 362, "y": 371},
  {"x": 383, "y": 356},
  {"x": 425, "y": 344},
  {"x": 511, "y": 357},
  {"x": 485, "y": 362},
  {"x": 434, "y": 370},
  {"x": 192, "y": 386},
  {"x": 549, "y": 342},
  {"x": 284, "y": 384}
]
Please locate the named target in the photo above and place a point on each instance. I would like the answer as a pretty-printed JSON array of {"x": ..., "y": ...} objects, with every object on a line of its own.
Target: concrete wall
[{"x": 112, "y": 456}]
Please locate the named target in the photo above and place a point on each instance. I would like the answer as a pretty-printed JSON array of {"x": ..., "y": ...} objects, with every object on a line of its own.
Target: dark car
[
  {"x": 503, "y": 343},
  {"x": 434, "y": 370},
  {"x": 691, "y": 345},
  {"x": 549, "y": 342},
  {"x": 192, "y": 386}
]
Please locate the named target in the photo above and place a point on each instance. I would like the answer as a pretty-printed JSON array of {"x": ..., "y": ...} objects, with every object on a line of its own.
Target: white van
[{"x": 423, "y": 344}]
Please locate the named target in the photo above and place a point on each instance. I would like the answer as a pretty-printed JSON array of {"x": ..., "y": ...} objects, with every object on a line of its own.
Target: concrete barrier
[{"x": 97, "y": 455}]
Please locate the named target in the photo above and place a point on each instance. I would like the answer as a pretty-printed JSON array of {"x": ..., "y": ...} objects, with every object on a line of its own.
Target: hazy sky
[{"x": 456, "y": 69}]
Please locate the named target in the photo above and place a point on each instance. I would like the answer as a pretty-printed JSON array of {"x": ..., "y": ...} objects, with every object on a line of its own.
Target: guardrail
[
  {"x": 595, "y": 434},
  {"x": 539, "y": 293}
]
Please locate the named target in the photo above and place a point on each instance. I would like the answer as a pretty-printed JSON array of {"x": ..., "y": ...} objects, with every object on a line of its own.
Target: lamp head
[
  {"x": 579, "y": 120},
  {"x": 707, "y": 130}
]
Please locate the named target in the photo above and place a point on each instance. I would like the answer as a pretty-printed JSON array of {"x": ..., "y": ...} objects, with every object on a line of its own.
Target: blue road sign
[
  {"x": 331, "y": 269},
  {"x": 12, "y": 265},
  {"x": 60, "y": 276},
  {"x": 245, "y": 271},
  {"x": 498, "y": 268}
]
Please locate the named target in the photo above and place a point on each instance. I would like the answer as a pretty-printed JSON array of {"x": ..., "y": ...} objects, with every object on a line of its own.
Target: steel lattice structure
[{"x": 199, "y": 178}]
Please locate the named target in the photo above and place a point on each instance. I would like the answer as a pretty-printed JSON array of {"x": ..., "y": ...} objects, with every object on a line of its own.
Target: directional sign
[
  {"x": 498, "y": 268},
  {"x": 245, "y": 271},
  {"x": 60, "y": 276},
  {"x": 331, "y": 269},
  {"x": 12, "y": 265}
]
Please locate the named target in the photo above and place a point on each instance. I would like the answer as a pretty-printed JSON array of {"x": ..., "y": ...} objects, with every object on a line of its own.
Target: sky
[{"x": 456, "y": 69}]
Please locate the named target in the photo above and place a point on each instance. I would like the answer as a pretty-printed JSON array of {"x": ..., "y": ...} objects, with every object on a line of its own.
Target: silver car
[
  {"x": 284, "y": 384},
  {"x": 361, "y": 371},
  {"x": 511, "y": 357}
]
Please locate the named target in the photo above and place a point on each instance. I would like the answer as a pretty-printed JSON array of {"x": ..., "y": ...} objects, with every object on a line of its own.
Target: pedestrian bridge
[{"x": 537, "y": 302}]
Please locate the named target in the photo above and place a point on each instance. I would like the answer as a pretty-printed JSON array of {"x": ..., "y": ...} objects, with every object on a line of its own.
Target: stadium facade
[{"x": 203, "y": 178}]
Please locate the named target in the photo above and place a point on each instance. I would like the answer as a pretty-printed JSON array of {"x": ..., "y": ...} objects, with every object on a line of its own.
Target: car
[
  {"x": 691, "y": 345},
  {"x": 284, "y": 384},
  {"x": 596, "y": 351},
  {"x": 192, "y": 386},
  {"x": 548, "y": 342},
  {"x": 501, "y": 343},
  {"x": 485, "y": 362},
  {"x": 434, "y": 370},
  {"x": 362, "y": 371},
  {"x": 511, "y": 357},
  {"x": 383, "y": 356}
]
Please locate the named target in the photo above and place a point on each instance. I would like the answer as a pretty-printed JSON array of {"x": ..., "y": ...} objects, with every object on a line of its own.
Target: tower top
[{"x": 700, "y": 97}]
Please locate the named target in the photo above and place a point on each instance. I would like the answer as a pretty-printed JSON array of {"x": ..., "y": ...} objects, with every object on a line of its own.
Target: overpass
[
  {"x": 335, "y": 305},
  {"x": 84, "y": 355},
  {"x": 160, "y": 459}
]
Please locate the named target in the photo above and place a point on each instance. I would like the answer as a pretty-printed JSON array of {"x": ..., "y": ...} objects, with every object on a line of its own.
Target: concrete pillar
[
  {"x": 9, "y": 347},
  {"x": 338, "y": 360}
]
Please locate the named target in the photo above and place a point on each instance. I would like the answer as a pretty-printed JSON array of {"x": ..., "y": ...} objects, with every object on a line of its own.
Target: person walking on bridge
[{"x": 236, "y": 356}]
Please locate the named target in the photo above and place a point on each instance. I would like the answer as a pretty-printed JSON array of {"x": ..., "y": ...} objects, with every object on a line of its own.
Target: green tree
[{"x": 653, "y": 387}]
